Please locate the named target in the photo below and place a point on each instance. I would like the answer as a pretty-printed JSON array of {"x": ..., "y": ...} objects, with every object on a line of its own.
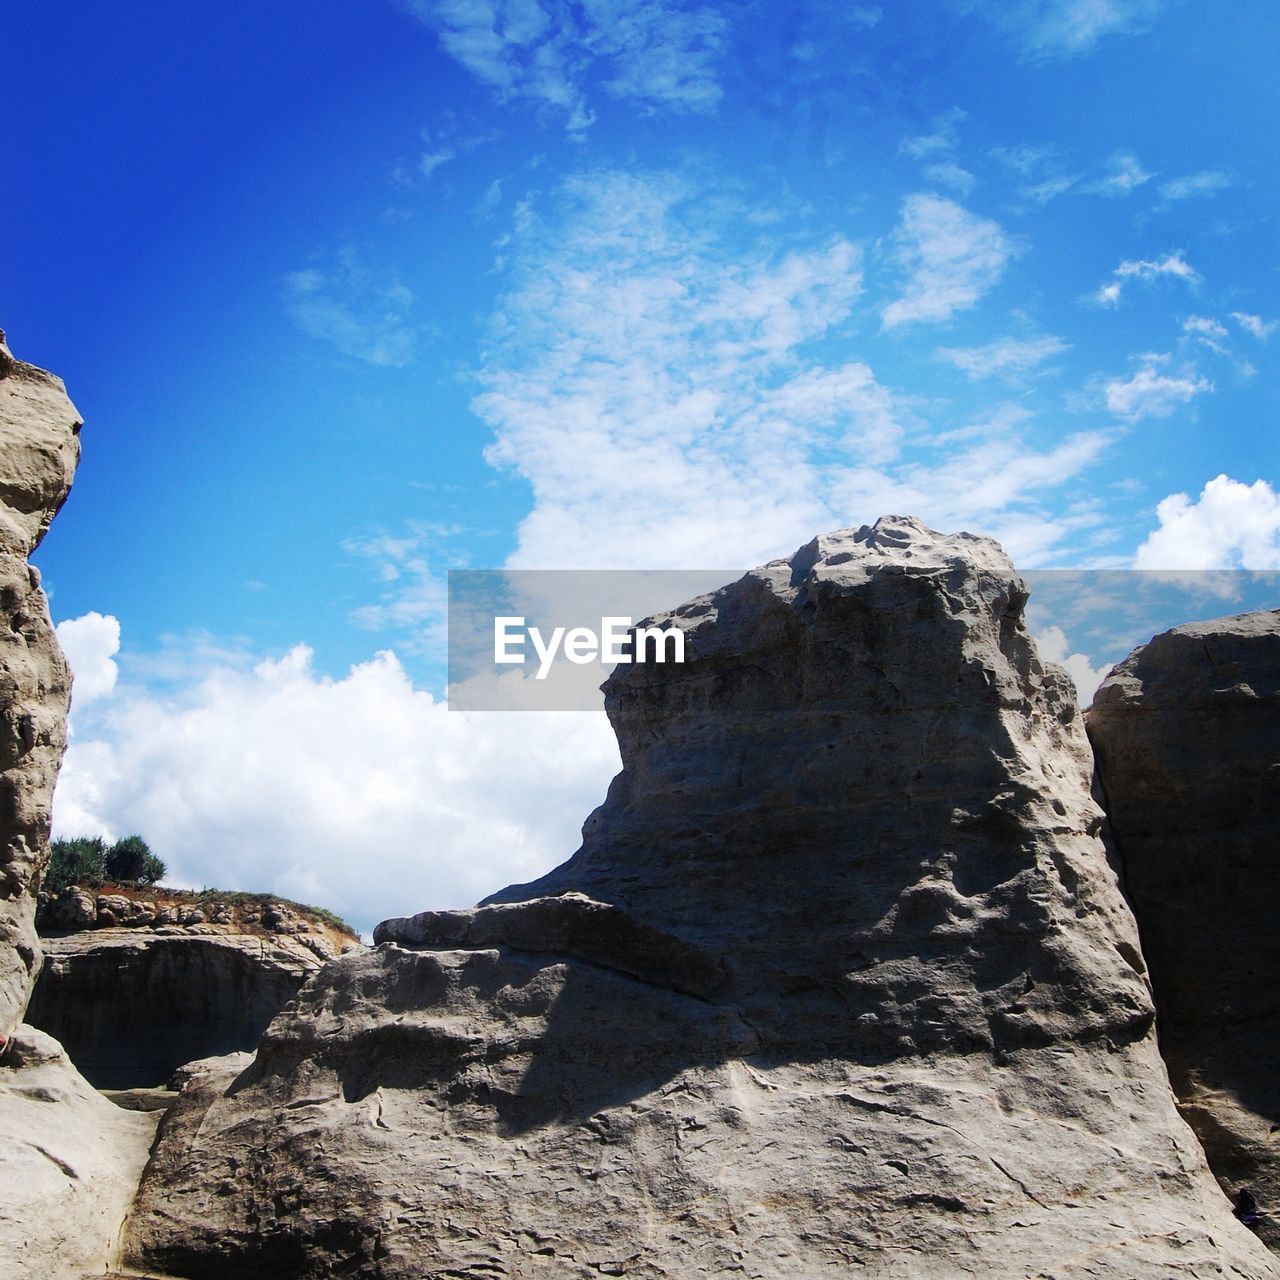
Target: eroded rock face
[
  {"x": 1187, "y": 735},
  {"x": 841, "y": 980},
  {"x": 131, "y": 1007},
  {"x": 39, "y": 449},
  {"x": 69, "y": 1165}
]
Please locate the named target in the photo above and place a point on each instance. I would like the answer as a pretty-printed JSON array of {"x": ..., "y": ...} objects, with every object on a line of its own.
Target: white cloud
[
  {"x": 950, "y": 258},
  {"x": 1006, "y": 357},
  {"x": 361, "y": 311},
  {"x": 949, "y": 174},
  {"x": 656, "y": 54},
  {"x": 679, "y": 392},
  {"x": 942, "y": 136},
  {"x": 1053, "y": 646},
  {"x": 363, "y": 794},
  {"x": 1172, "y": 266},
  {"x": 1125, "y": 174},
  {"x": 1207, "y": 182},
  {"x": 1151, "y": 393},
  {"x": 1229, "y": 526},
  {"x": 1261, "y": 329},
  {"x": 1053, "y": 29},
  {"x": 91, "y": 643}
]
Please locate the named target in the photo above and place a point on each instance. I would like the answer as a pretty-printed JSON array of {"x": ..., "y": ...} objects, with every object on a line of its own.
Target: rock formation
[
  {"x": 841, "y": 980},
  {"x": 69, "y": 1165},
  {"x": 130, "y": 1007},
  {"x": 1187, "y": 735},
  {"x": 39, "y": 449}
]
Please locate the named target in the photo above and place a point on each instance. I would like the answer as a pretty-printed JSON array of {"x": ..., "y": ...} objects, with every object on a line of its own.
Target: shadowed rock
[
  {"x": 1187, "y": 735},
  {"x": 841, "y": 981}
]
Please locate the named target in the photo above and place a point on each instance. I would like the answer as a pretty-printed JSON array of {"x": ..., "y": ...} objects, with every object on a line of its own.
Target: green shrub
[
  {"x": 127, "y": 859},
  {"x": 82, "y": 860}
]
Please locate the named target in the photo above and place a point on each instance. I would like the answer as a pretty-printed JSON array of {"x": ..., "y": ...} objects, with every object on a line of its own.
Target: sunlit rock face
[
  {"x": 1187, "y": 734},
  {"x": 39, "y": 449},
  {"x": 840, "y": 982}
]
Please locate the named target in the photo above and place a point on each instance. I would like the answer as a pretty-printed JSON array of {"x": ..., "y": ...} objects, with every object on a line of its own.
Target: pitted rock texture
[
  {"x": 131, "y": 1007},
  {"x": 840, "y": 982},
  {"x": 39, "y": 449},
  {"x": 1187, "y": 735},
  {"x": 70, "y": 1161}
]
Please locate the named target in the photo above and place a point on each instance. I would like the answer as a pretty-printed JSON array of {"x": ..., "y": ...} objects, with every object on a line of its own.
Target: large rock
[
  {"x": 130, "y": 1007},
  {"x": 841, "y": 981},
  {"x": 1187, "y": 735},
  {"x": 39, "y": 449},
  {"x": 69, "y": 1165}
]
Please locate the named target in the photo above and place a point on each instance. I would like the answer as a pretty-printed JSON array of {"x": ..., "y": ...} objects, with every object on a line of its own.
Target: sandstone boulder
[
  {"x": 1187, "y": 735},
  {"x": 69, "y": 1165},
  {"x": 840, "y": 982},
  {"x": 39, "y": 448}
]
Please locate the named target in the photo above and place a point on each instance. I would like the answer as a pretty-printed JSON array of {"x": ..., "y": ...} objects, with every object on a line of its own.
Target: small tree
[
  {"x": 82, "y": 860},
  {"x": 153, "y": 869},
  {"x": 127, "y": 859}
]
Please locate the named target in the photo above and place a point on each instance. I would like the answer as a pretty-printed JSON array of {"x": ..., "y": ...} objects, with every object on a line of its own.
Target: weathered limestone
[
  {"x": 69, "y": 1165},
  {"x": 130, "y": 1007},
  {"x": 840, "y": 982},
  {"x": 1187, "y": 735},
  {"x": 39, "y": 449}
]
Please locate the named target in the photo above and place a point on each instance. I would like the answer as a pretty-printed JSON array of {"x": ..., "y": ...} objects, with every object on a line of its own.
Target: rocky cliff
[
  {"x": 840, "y": 980},
  {"x": 39, "y": 449},
  {"x": 1187, "y": 735}
]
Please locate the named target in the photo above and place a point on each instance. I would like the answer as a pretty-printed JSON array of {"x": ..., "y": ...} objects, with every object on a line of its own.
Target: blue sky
[{"x": 352, "y": 296}]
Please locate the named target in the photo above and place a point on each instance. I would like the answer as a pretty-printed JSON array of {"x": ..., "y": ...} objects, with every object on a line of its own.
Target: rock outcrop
[
  {"x": 131, "y": 1006},
  {"x": 39, "y": 449},
  {"x": 69, "y": 1165},
  {"x": 841, "y": 981},
  {"x": 1187, "y": 735}
]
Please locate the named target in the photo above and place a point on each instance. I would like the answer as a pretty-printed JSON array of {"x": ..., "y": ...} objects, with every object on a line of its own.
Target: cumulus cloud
[
  {"x": 362, "y": 311},
  {"x": 1055, "y": 29},
  {"x": 1005, "y": 358},
  {"x": 656, "y": 54},
  {"x": 91, "y": 643},
  {"x": 1053, "y": 646},
  {"x": 363, "y": 794},
  {"x": 1231, "y": 525},
  {"x": 1172, "y": 266},
  {"x": 949, "y": 256},
  {"x": 1152, "y": 393}
]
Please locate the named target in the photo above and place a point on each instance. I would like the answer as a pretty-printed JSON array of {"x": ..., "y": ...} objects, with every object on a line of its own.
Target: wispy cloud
[
  {"x": 1054, "y": 29},
  {"x": 949, "y": 174},
  {"x": 948, "y": 256},
  {"x": 1206, "y": 331},
  {"x": 940, "y": 138},
  {"x": 1172, "y": 266},
  {"x": 1256, "y": 325},
  {"x": 1124, "y": 174},
  {"x": 657, "y": 54},
  {"x": 361, "y": 310},
  {"x": 1150, "y": 392},
  {"x": 1005, "y": 358},
  {"x": 678, "y": 391},
  {"x": 1231, "y": 525},
  {"x": 1207, "y": 182}
]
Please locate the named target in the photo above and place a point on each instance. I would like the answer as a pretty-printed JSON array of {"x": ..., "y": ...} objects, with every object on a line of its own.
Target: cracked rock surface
[
  {"x": 1187, "y": 735},
  {"x": 841, "y": 982},
  {"x": 39, "y": 449}
]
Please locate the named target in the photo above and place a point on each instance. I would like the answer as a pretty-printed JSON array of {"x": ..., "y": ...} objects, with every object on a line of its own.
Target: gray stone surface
[
  {"x": 69, "y": 1165},
  {"x": 131, "y": 1006},
  {"x": 840, "y": 982},
  {"x": 39, "y": 449},
  {"x": 1187, "y": 735}
]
